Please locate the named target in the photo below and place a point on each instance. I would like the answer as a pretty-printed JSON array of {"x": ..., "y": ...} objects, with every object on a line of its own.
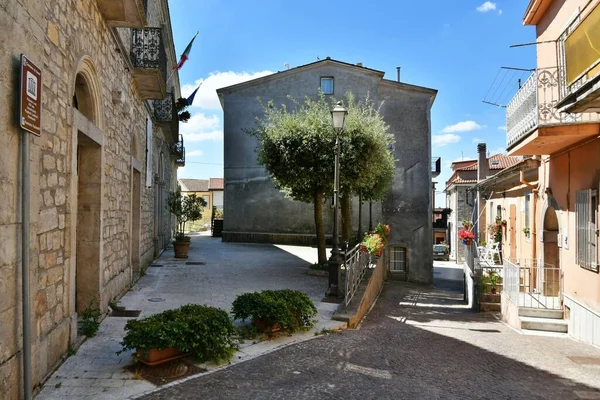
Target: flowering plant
[
  {"x": 466, "y": 236},
  {"x": 495, "y": 229},
  {"x": 374, "y": 243},
  {"x": 467, "y": 224}
]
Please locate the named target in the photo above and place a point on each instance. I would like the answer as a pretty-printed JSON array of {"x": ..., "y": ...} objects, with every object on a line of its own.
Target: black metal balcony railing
[
  {"x": 147, "y": 49},
  {"x": 436, "y": 166},
  {"x": 164, "y": 110},
  {"x": 178, "y": 150}
]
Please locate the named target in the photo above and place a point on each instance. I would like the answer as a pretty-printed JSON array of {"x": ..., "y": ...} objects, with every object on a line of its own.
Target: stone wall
[{"x": 65, "y": 38}]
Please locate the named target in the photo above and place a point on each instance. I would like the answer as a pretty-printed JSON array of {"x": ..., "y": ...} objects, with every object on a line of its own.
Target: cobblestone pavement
[{"x": 417, "y": 343}]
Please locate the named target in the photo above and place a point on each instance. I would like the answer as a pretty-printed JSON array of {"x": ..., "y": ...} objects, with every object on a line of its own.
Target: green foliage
[
  {"x": 90, "y": 320},
  {"x": 182, "y": 114},
  {"x": 218, "y": 213},
  {"x": 204, "y": 332},
  {"x": 291, "y": 309},
  {"x": 319, "y": 267},
  {"x": 297, "y": 147},
  {"x": 115, "y": 306},
  {"x": 185, "y": 208}
]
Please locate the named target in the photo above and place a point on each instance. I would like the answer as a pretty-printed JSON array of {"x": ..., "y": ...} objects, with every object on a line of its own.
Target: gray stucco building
[{"x": 257, "y": 212}]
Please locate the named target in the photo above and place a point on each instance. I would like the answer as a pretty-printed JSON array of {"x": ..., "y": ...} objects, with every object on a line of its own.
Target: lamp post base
[{"x": 335, "y": 263}]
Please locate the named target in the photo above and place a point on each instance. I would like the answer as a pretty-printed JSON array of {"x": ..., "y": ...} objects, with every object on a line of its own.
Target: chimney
[
  {"x": 359, "y": 64},
  {"x": 483, "y": 168},
  {"x": 398, "y": 70}
]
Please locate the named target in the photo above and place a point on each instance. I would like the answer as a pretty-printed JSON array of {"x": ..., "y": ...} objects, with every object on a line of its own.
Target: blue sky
[{"x": 456, "y": 47}]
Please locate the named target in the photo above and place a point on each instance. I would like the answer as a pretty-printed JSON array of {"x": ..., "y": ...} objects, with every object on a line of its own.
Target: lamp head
[{"x": 338, "y": 114}]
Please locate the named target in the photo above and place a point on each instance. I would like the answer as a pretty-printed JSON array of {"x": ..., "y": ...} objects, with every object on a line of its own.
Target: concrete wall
[
  {"x": 65, "y": 38},
  {"x": 457, "y": 200},
  {"x": 254, "y": 208}
]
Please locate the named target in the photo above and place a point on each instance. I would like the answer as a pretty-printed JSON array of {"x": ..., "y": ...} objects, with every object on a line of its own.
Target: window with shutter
[{"x": 586, "y": 208}]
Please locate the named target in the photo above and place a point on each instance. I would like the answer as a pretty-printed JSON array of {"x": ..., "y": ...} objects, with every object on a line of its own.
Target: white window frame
[
  {"x": 329, "y": 78},
  {"x": 393, "y": 261}
]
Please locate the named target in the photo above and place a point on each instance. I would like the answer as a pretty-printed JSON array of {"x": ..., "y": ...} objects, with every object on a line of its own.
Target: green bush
[
  {"x": 290, "y": 309},
  {"x": 204, "y": 332},
  {"x": 90, "y": 320}
]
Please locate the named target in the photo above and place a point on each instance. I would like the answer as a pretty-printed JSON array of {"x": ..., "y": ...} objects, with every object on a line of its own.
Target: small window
[
  {"x": 587, "y": 234},
  {"x": 398, "y": 259},
  {"x": 527, "y": 207},
  {"x": 499, "y": 212},
  {"x": 327, "y": 85}
]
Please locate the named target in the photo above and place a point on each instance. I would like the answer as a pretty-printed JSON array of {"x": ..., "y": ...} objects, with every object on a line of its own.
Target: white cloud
[
  {"x": 477, "y": 140},
  {"x": 201, "y": 127},
  {"x": 464, "y": 126},
  {"x": 499, "y": 150},
  {"x": 502, "y": 128},
  {"x": 194, "y": 153},
  {"x": 206, "y": 97},
  {"x": 215, "y": 135},
  {"x": 487, "y": 6},
  {"x": 443, "y": 140}
]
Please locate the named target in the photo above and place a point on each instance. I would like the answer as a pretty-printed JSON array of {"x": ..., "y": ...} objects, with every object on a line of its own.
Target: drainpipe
[{"x": 534, "y": 191}]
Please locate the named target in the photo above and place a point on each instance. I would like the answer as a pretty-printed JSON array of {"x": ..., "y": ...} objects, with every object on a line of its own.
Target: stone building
[
  {"x": 100, "y": 171},
  {"x": 461, "y": 196},
  {"x": 256, "y": 211}
]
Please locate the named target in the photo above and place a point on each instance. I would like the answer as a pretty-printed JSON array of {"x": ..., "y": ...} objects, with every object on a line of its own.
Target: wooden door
[{"x": 512, "y": 223}]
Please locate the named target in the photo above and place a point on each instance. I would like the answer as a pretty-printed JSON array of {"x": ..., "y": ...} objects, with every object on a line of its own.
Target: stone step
[
  {"x": 540, "y": 313},
  {"x": 544, "y": 324},
  {"x": 485, "y": 306},
  {"x": 544, "y": 333}
]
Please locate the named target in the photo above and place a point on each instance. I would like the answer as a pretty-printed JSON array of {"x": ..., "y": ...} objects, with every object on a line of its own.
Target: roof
[
  {"x": 496, "y": 162},
  {"x": 216, "y": 184},
  {"x": 502, "y": 177},
  {"x": 327, "y": 60},
  {"x": 193, "y": 185}
]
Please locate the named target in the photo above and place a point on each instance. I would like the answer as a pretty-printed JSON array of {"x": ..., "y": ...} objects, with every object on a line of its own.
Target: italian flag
[{"x": 185, "y": 54}]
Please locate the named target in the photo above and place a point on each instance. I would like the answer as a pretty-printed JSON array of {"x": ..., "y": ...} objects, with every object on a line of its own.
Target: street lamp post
[{"x": 338, "y": 115}]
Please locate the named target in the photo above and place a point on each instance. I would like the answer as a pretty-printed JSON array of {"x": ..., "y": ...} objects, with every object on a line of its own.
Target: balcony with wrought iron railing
[
  {"x": 149, "y": 61},
  {"x": 534, "y": 126},
  {"x": 124, "y": 13},
  {"x": 165, "y": 115},
  {"x": 178, "y": 151}
]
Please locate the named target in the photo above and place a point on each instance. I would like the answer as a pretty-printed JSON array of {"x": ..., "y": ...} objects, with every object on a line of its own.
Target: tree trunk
[
  {"x": 346, "y": 218},
  {"x": 320, "y": 226}
]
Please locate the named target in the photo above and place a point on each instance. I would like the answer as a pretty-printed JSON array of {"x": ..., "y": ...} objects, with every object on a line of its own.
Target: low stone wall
[
  {"x": 365, "y": 297},
  {"x": 273, "y": 238}
]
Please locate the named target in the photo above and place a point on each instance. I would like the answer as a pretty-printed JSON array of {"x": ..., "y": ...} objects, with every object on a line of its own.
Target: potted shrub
[
  {"x": 466, "y": 236},
  {"x": 275, "y": 310},
  {"x": 206, "y": 333},
  {"x": 526, "y": 231},
  {"x": 493, "y": 281},
  {"x": 186, "y": 209}
]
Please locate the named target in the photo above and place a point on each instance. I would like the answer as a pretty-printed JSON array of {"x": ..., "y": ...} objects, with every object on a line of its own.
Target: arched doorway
[
  {"x": 549, "y": 276},
  {"x": 87, "y": 181}
]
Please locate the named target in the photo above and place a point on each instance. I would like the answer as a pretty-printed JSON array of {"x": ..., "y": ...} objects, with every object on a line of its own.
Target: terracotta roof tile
[
  {"x": 194, "y": 185},
  {"x": 216, "y": 184},
  {"x": 496, "y": 162}
]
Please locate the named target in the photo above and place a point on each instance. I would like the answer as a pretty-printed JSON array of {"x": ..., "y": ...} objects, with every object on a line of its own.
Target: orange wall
[{"x": 565, "y": 175}]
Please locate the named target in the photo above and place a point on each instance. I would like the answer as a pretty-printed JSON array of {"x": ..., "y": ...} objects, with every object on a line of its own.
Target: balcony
[
  {"x": 149, "y": 62},
  {"x": 165, "y": 115},
  {"x": 436, "y": 166},
  {"x": 583, "y": 66},
  {"x": 124, "y": 13},
  {"x": 178, "y": 151},
  {"x": 534, "y": 126}
]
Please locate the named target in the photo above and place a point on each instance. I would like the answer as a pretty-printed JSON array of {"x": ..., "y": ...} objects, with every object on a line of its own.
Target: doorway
[
  {"x": 88, "y": 229},
  {"x": 512, "y": 222},
  {"x": 136, "y": 184},
  {"x": 549, "y": 279}
]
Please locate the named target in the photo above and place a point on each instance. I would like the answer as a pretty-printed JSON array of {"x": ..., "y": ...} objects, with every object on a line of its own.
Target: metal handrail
[{"x": 355, "y": 267}]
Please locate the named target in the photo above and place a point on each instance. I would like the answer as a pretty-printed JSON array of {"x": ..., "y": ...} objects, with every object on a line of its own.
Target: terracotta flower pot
[
  {"x": 181, "y": 249},
  {"x": 156, "y": 357}
]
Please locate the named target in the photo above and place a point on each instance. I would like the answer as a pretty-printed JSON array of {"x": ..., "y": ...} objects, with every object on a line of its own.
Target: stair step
[
  {"x": 490, "y": 298},
  {"x": 540, "y": 313},
  {"x": 544, "y": 333},
  {"x": 544, "y": 324},
  {"x": 485, "y": 306}
]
